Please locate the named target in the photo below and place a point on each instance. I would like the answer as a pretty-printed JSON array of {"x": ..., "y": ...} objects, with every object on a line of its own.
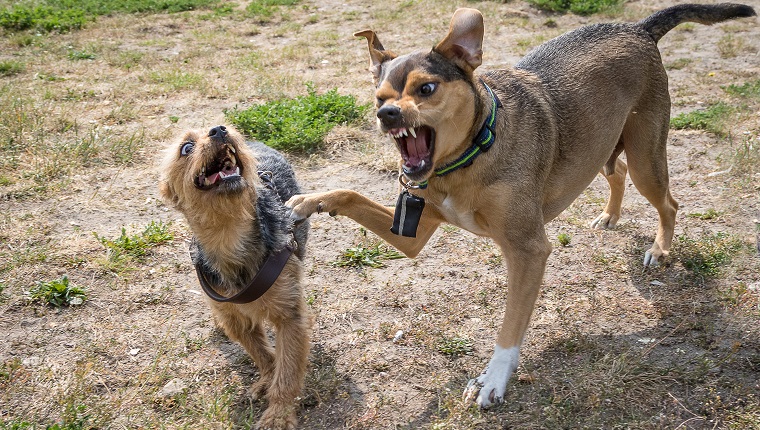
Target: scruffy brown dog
[{"x": 232, "y": 193}]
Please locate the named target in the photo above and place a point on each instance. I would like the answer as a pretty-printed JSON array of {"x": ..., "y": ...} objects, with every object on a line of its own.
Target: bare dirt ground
[{"x": 610, "y": 345}]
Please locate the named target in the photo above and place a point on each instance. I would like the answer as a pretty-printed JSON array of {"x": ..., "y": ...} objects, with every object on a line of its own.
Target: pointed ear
[
  {"x": 377, "y": 54},
  {"x": 464, "y": 43}
]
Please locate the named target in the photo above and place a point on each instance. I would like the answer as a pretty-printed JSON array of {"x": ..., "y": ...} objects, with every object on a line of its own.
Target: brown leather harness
[{"x": 267, "y": 274}]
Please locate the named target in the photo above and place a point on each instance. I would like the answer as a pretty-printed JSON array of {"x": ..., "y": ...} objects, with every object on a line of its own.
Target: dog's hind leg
[
  {"x": 645, "y": 137},
  {"x": 525, "y": 253},
  {"x": 291, "y": 359},
  {"x": 615, "y": 176}
]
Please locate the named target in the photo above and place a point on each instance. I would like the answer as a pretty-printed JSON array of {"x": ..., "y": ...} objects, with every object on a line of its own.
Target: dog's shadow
[
  {"x": 695, "y": 363},
  {"x": 320, "y": 406}
]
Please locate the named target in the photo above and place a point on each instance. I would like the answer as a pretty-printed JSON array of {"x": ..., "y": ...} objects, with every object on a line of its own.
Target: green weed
[
  {"x": 712, "y": 118},
  {"x": 707, "y": 215},
  {"x": 705, "y": 256},
  {"x": 371, "y": 256},
  {"x": 748, "y": 89},
  {"x": 136, "y": 245},
  {"x": 298, "y": 124},
  {"x": 454, "y": 346},
  {"x": 81, "y": 55},
  {"x": 580, "y": 7},
  {"x": 564, "y": 239},
  {"x": 58, "y": 293},
  {"x": 10, "y": 68}
]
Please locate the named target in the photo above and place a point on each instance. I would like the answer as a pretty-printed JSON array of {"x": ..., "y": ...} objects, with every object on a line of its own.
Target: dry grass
[{"x": 84, "y": 114}]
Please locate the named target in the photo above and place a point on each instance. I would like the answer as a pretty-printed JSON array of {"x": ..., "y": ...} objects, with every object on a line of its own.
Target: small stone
[
  {"x": 134, "y": 351},
  {"x": 32, "y": 361},
  {"x": 398, "y": 336},
  {"x": 657, "y": 283},
  {"x": 174, "y": 387}
]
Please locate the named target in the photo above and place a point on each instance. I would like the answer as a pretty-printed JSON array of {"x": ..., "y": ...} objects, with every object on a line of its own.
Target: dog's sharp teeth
[
  {"x": 403, "y": 131},
  {"x": 232, "y": 149},
  {"x": 413, "y": 133}
]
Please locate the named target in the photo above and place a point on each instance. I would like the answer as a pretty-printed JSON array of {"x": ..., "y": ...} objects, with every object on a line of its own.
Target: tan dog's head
[
  {"x": 427, "y": 101},
  {"x": 208, "y": 172}
]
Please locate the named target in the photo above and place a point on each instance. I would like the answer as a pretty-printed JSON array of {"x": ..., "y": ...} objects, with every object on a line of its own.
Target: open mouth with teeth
[
  {"x": 224, "y": 170},
  {"x": 416, "y": 148}
]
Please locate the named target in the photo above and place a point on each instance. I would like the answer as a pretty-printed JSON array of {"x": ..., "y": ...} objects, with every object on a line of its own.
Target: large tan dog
[{"x": 503, "y": 153}]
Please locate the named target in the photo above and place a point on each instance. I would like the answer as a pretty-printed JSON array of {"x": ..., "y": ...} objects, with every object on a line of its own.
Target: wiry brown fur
[
  {"x": 569, "y": 108},
  {"x": 224, "y": 225}
]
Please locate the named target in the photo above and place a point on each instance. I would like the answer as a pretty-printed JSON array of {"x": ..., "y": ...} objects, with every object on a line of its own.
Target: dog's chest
[{"x": 460, "y": 213}]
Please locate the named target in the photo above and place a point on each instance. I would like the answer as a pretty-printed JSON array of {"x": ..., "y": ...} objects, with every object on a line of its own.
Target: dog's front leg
[
  {"x": 373, "y": 216},
  {"x": 525, "y": 257}
]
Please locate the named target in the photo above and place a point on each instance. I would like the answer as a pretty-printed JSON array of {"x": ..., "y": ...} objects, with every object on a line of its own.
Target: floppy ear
[
  {"x": 377, "y": 54},
  {"x": 464, "y": 43}
]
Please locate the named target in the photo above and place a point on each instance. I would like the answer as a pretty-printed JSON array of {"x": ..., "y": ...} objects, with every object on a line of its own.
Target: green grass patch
[
  {"x": 454, "y": 346},
  {"x": 264, "y": 10},
  {"x": 564, "y": 239},
  {"x": 136, "y": 245},
  {"x": 748, "y": 89},
  {"x": 372, "y": 256},
  {"x": 81, "y": 55},
  {"x": 58, "y": 293},
  {"x": 298, "y": 124},
  {"x": 579, "y": 7},
  {"x": 10, "y": 68},
  {"x": 706, "y": 215},
  {"x": 175, "y": 80},
  {"x": 712, "y": 118},
  {"x": 67, "y": 15},
  {"x": 705, "y": 256}
]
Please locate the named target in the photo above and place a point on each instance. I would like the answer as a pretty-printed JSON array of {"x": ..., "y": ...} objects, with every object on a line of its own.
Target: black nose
[
  {"x": 219, "y": 131},
  {"x": 389, "y": 114}
]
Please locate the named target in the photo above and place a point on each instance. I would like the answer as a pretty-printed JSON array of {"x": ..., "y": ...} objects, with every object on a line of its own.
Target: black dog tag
[{"x": 407, "y": 215}]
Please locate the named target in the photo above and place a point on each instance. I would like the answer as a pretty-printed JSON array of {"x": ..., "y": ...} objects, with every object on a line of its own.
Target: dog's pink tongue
[
  {"x": 417, "y": 149},
  {"x": 210, "y": 180}
]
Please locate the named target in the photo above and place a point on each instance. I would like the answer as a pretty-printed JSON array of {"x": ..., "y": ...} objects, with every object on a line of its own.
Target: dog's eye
[
  {"x": 187, "y": 148},
  {"x": 428, "y": 89}
]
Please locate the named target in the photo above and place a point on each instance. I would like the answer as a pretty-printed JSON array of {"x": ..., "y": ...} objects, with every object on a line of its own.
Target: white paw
[
  {"x": 491, "y": 385},
  {"x": 604, "y": 221}
]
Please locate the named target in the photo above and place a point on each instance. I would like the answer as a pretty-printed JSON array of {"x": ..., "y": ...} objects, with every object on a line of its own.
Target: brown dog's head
[
  {"x": 427, "y": 101},
  {"x": 205, "y": 171}
]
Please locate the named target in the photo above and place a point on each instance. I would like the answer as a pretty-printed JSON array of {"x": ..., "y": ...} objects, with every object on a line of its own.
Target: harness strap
[
  {"x": 260, "y": 284},
  {"x": 267, "y": 274}
]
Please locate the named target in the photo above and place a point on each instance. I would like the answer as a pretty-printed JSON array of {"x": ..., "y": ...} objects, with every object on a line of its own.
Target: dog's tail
[{"x": 663, "y": 21}]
